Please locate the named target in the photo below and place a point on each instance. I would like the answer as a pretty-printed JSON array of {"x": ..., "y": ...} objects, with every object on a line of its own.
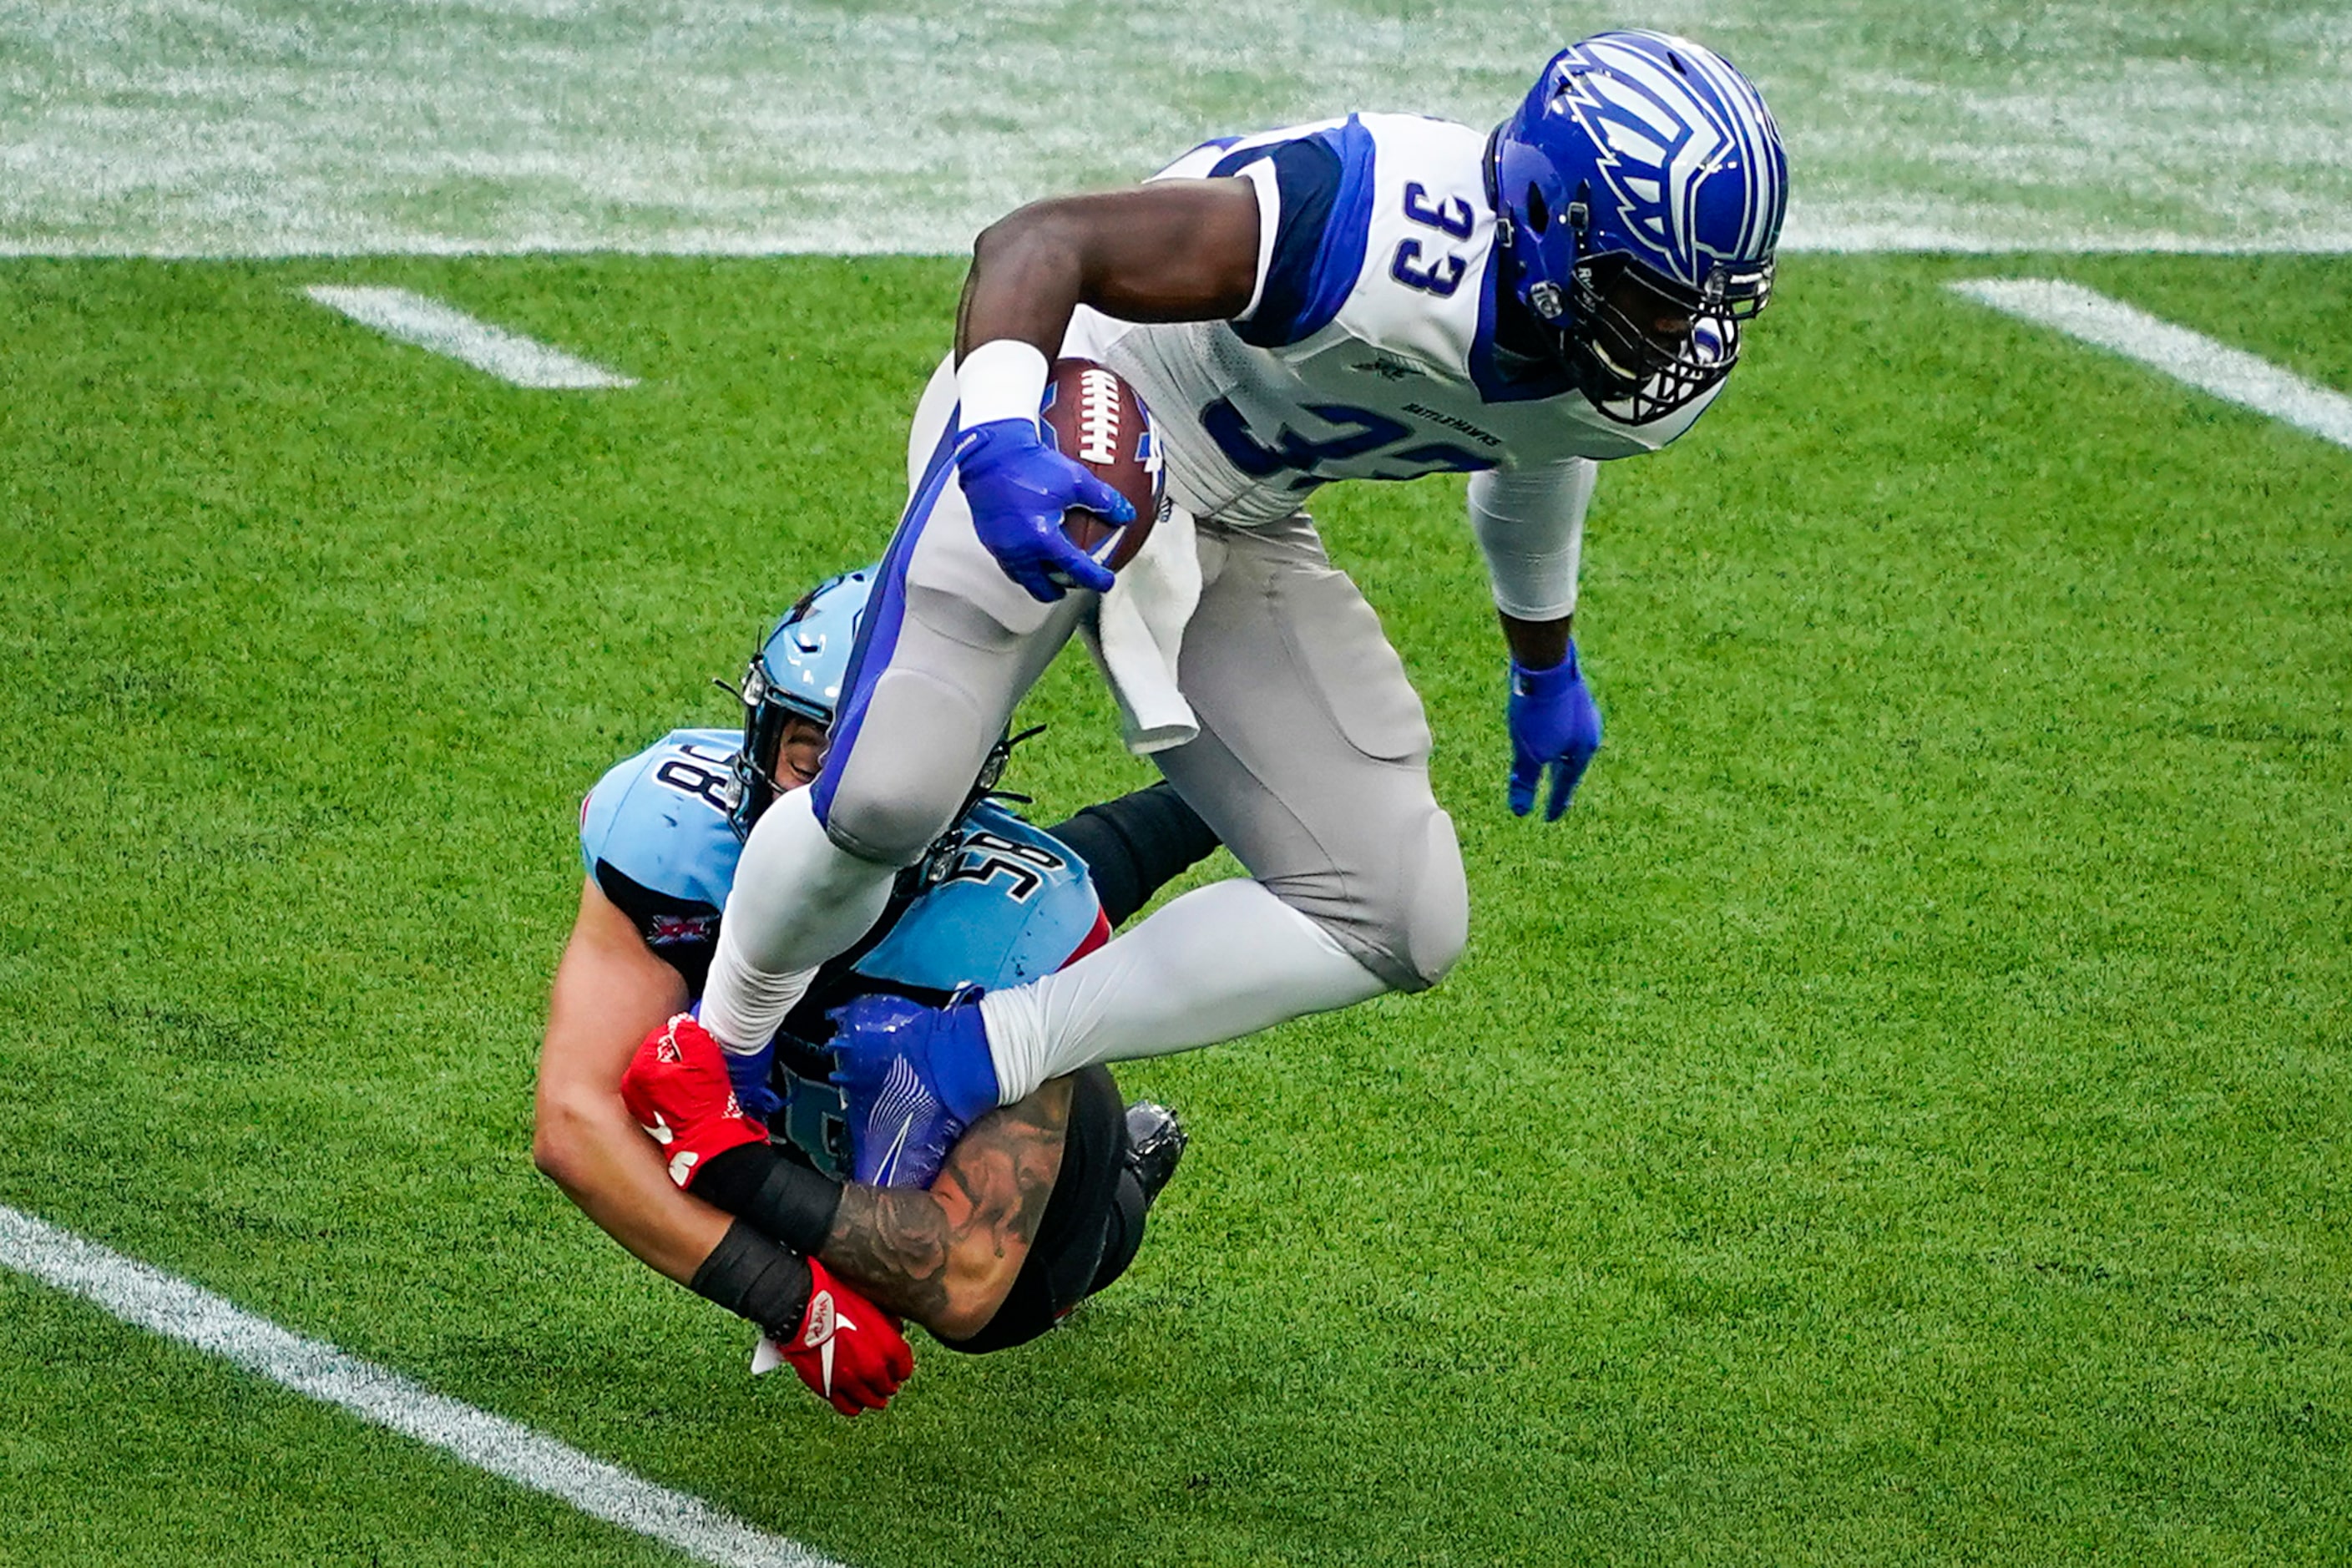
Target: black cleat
[{"x": 1155, "y": 1141}]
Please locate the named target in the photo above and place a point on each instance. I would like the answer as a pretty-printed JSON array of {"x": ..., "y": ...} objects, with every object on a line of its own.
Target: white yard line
[
  {"x": 157, "y": 1301},
  {"x": 2189, "y": 357},
  {"x": 446, "y": 330}
]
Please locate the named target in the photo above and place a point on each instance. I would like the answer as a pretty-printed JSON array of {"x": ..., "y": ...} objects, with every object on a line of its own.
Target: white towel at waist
[{"x": 1137, "y": 635}]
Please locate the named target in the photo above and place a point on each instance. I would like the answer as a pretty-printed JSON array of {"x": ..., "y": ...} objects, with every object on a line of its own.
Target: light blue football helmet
[
  {"x": 1642, "y": 177},
  {"x": 798, "y": 672}
]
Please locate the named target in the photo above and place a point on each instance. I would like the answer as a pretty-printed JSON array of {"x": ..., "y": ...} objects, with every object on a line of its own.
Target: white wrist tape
[{"x": 1001, "y": 379}]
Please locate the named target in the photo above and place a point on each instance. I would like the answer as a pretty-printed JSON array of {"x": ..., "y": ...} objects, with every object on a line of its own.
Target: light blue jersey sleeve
[{"x": 655, "y": 838}]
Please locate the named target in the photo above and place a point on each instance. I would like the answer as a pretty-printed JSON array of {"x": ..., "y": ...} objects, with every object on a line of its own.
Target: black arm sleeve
[
  {"x": 788, "y": 1203},
  {"x": 1133, "y": 846},
  {"x": 753, "y": 1277}
]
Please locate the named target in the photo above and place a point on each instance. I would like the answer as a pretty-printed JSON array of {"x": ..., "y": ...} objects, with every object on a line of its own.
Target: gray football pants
[{"x": 1312, "y": 763}]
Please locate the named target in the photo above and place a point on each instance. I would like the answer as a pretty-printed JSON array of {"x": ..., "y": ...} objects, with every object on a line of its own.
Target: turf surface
[
  {"x": 289, "y": 127},
  {"x": 1897, "y": 1118}
]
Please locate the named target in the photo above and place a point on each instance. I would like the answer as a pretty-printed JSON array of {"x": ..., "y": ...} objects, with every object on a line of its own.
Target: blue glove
[
  {"x": 1018, "y": 489},
  {"x": 749, "y": 1075},
  {"x": 1553, "y": 725}
]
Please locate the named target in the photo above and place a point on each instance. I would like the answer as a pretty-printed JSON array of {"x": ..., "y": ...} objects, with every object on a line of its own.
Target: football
[{"x": 1091, "y": 415}]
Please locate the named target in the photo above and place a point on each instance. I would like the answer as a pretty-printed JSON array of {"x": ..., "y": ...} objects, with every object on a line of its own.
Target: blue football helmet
[
  {"x": 797, "y": 673},
  {"x": 1643, "y": 178}
]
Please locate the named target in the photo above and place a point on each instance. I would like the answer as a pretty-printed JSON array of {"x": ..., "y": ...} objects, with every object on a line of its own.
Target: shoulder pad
[
  {"x": 660, "y": 818},
  {"x": 1008, "y": 903}
]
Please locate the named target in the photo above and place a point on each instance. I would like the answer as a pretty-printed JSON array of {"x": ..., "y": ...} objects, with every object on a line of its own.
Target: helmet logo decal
[
  {"x": 1652, "y": 149},
  {"x": 1661, "y": 131}
]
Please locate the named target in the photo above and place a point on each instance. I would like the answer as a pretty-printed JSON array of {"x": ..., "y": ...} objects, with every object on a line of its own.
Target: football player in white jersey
[{"x": 1380, "y": 297}]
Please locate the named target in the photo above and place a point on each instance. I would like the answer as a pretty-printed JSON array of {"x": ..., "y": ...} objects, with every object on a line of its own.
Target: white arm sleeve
[{"x": 1531, "y": 528}]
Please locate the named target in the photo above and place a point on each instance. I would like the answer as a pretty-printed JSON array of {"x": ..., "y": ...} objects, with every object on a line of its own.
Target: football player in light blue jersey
[
  {"x": 1377, "y": 298},
  {"x": 985, "y": 1260}
]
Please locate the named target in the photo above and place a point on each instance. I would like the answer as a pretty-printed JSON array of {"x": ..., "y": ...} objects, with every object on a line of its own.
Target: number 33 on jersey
[{"x": 1369, "y": 349}]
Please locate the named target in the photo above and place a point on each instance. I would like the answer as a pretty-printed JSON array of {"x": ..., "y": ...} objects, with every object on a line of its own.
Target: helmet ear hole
[{"x": 1538, "y": 215}]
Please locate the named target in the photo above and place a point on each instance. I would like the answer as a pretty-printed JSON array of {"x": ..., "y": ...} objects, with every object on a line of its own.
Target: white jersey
[{"x": 1368, "y": 350}]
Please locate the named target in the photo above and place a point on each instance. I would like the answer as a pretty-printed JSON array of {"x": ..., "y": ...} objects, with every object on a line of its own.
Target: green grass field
[{"x": 1897, "y": 1118}]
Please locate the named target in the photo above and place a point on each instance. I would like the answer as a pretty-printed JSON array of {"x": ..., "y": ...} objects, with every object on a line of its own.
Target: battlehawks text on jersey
[
  {"x": 1008, "y": 903},
  {"x": 1368, "y": 351}
]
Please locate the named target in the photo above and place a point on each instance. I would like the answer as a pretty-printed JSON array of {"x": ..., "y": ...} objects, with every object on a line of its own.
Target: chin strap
[{"x": 1486, "y": 169}]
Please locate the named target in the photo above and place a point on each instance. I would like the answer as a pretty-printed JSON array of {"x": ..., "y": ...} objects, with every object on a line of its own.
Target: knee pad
[
  {"x": 1407, "y": 921},
  {"x": 1437, "y": 925},
  {"x": 911, "y": 762}
]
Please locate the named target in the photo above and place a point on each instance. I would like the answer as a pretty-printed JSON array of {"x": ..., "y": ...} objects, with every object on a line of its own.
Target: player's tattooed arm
[
  {"x": 893, "y": 1243},
  {"x": 946, "y": 1257}
]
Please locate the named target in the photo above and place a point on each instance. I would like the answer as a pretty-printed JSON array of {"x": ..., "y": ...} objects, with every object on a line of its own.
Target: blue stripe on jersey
[
  {"x": 878, "y": 632},
  {"x": 1234, "y": 162},
  {"x": 1326, "y": 185}
]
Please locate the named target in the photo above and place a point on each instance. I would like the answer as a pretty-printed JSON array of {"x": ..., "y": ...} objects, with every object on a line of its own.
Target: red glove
[
  {"x": 847, "y": 1350},
  {"x": 677, "y": 1088}
]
